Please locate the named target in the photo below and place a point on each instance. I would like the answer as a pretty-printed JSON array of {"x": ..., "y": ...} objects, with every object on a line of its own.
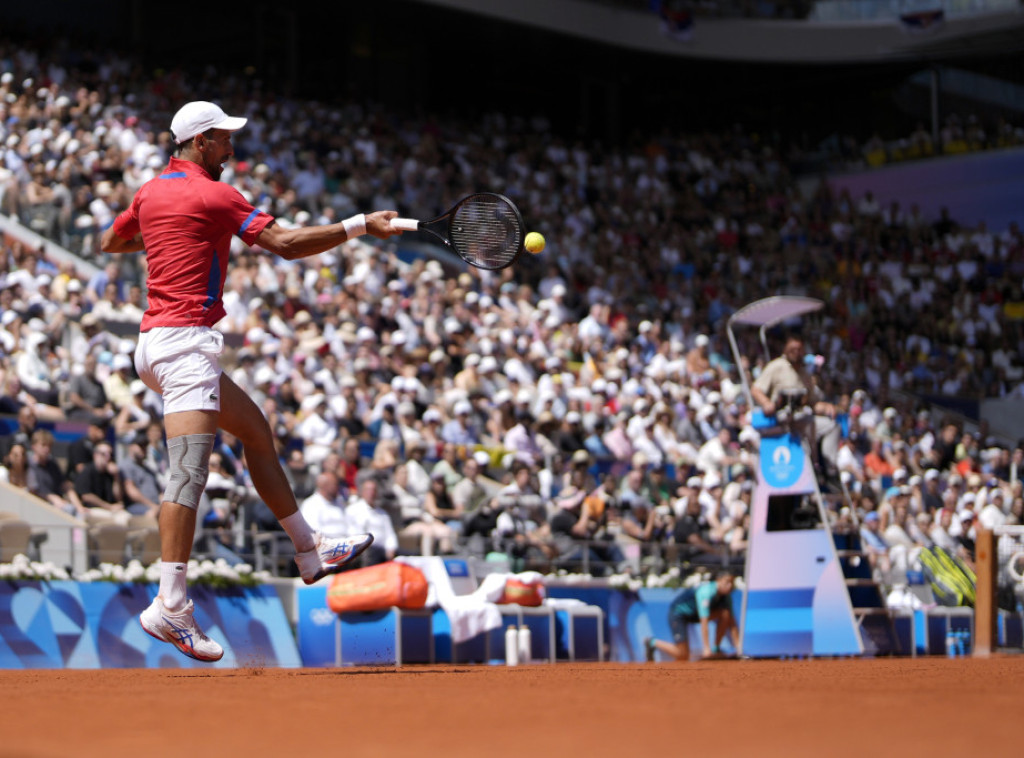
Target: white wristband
[{"x": 355, "y": 226}]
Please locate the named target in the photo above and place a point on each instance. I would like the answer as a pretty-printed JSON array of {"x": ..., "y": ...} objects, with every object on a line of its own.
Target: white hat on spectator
[
  {"x": 599, "y": 385},
  {"x": 695, "y": 481},
  {"x": 365, "y": 334},
  {"x": 748, "y": 434},
  {"x": 436, "y": 356},
  {"x": 199, "y": 116},
  {"x": 900, "y": 473},
  {"x": 472, "y": 359},
  {"x": 36, "y": 339},
  {"x": 311, "y": 402},
  {"x": 889, "y": 412},
  {"x": 406, "y": 408},
  {"x": 482, "y": 458},
  {"x": 572, "y": 417},
  {"x": 712, "y": 480},
  {"x": 137, "y": 386},
  {"x": 702, "y": 340},
  {"x": 462, "y": 407},
  {"x": 502, "y": 396},
  {"x": 121, "y": 362},
  {"x": 8, "y": 318},
  {"x": 263, "y": 375},
  {"x": 488, "y": 363},
  {"x": 74, "y": 286},
  {"x": 524, "y": 397},
  {"x": 931, "y": 474},
  {"x": 431, "y": 415},
  {"x": 645, "y": 326},
  {"x": 255, "y": 334}
]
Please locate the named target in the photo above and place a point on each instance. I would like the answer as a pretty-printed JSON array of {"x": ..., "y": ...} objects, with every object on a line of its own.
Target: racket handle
[{"x": 405, "y": 224}]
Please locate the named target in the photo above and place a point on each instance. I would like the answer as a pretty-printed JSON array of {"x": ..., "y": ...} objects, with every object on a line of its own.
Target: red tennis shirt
[{"x": 187, "y": 220}]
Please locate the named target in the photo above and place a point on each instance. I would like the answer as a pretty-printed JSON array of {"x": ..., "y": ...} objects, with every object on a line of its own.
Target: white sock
[
  {"x": 298, "y": 529},
  {"x": 172, "y": 585}
]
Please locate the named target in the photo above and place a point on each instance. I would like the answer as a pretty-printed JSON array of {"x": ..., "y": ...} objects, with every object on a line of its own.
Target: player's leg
[
  {"x": 725, "y": 624},
  {"x": 679, "y": 648},
  {"x": 315, "y": 554},
  {"x": 170, "y": 617}
]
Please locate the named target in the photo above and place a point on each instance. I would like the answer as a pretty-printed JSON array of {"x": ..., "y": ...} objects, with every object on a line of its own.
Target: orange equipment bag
[
  {"x": 378, "y": 587},
  {"x": 522, "y": 593}
]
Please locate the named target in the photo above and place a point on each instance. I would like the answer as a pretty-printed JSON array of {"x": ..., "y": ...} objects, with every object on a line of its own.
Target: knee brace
[{"x": 189, "y": 466}]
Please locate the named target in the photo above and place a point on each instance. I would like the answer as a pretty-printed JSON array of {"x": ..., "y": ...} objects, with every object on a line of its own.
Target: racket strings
[{"x": 487, "y": 232}]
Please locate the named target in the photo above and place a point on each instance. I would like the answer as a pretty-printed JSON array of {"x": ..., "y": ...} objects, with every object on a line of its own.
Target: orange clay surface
[{"x": 897, "y": 707}]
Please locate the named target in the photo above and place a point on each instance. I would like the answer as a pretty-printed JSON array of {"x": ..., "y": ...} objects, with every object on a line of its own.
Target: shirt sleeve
[
  {"x": 126, "y": 225},
  {"x": 238, "y": 215},
  {"x": 705, "y": 594}
]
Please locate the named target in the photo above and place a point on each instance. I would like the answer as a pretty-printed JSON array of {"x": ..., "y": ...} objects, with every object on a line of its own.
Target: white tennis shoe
[
  {"x": 330, "y": 554},
  {"x": 181, "y": 630}
]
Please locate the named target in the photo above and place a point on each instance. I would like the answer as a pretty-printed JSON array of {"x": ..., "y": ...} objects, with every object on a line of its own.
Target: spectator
[
  {"x": 100, "y": 487},
  {"x": 325, "y": 508},
  {"x": 692, "y": 535},
  {"x": 428, "y": 517},
  {"x": 47, "y": 481},
  {"x": 22, "y": 435},
  {"x": 469, "y": 494},
  {"x": 15, "y": 466},
  {"x": 364, "y": 515},
  {"x": 142, "y": 489},
  {"x": 87, "y": 400},
  {"x": 301, "y": 477}
]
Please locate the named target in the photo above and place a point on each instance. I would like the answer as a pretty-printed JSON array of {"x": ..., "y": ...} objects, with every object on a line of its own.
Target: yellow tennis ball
[{"x": 534, "y": 242}]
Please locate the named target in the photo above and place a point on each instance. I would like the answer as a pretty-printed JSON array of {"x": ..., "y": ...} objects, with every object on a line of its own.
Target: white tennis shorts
[{"x": 182, "y": 364}]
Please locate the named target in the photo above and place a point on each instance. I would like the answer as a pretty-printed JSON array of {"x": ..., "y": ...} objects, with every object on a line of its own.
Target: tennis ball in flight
[{"x": 534, "y": 242}]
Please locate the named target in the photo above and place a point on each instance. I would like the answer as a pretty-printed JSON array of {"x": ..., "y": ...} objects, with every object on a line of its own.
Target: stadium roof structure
[{"x": 835, "y": 31}]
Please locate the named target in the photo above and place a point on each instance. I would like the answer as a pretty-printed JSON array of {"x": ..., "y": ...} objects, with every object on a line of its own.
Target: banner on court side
[{"x": 96, "y": 625}]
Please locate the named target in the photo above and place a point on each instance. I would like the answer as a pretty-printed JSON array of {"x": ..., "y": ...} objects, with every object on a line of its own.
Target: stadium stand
[{"x": 618, "y": 328}]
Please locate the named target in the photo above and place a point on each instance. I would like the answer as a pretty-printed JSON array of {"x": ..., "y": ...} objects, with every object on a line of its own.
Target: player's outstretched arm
[
  {"x": 112, "y": 242},
  {"x": 303, "y": 242}
]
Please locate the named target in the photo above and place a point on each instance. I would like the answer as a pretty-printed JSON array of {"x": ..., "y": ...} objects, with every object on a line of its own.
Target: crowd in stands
[{"x": 581, "y": 409}]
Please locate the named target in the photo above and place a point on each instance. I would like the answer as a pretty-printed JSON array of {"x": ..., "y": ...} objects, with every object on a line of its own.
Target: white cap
[
  {"x": 702, "y": 340},
  {"x": 463, "y": 406},
  {"x": 199, "y": 116}
]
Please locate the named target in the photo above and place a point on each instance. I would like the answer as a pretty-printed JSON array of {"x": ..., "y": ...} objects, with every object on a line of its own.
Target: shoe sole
[
  {"x": 334, "y": 568},
  {"x": 184, "y": 651}
]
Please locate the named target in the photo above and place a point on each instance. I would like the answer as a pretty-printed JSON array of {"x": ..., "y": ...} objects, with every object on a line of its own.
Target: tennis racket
[{"x": 484, "y": 229}]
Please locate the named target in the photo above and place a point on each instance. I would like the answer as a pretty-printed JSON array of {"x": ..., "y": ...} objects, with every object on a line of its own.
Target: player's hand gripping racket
[{"x": 485, "y": 229}]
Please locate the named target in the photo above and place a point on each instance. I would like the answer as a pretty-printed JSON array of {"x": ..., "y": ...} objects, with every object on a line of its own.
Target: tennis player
[{"x": 184, "y": 219}]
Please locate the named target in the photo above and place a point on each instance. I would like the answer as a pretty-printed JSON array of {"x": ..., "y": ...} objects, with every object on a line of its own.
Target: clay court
[{"x": 853, "y": 707}]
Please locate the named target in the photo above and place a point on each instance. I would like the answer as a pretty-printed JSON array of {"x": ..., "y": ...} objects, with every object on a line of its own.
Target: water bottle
[
  {"x": 511, "y": 646},
  {"x": 525, "y": 646},
  {"x": 950, "y": 643}
]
